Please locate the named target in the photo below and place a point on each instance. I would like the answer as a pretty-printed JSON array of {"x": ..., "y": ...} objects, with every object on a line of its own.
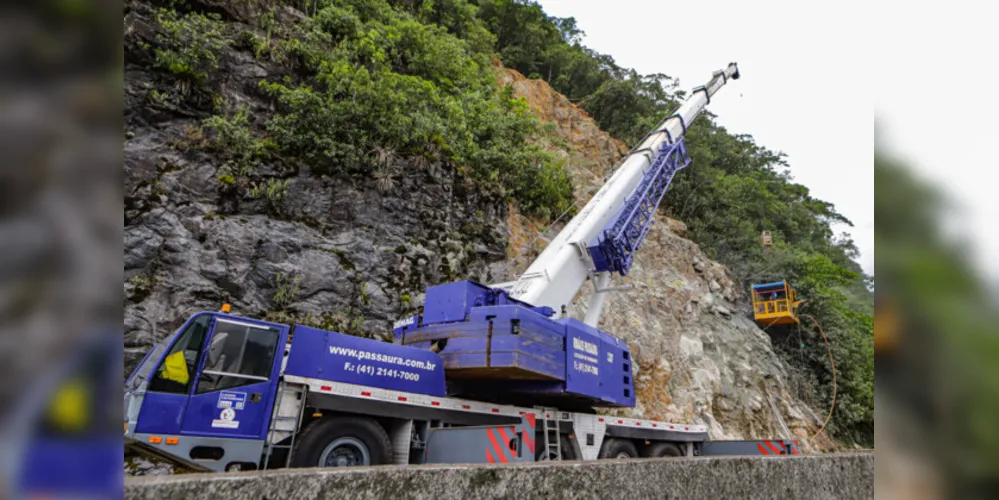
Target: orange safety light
[
  {"x": 226, "y": 308},
  {"x": 155, "y": 439}
]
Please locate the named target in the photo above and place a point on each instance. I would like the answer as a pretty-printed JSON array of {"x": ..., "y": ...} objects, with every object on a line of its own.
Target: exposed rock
[
  {"x": 722, "y": 310},
  {"x": 335, "y": 248},
  {"x": 698, "y": 265}
]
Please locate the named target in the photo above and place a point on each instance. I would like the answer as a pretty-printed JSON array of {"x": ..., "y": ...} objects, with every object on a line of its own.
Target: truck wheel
[
  {"x": 342, "y": 442},
  {"x": 568, "y": 452},
  {"x": 661, "y": 449},
  {"x": 618, "y": 448}
]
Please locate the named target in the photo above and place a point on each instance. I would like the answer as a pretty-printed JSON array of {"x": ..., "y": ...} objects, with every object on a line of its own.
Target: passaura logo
[{"x": 381, "y": 358}]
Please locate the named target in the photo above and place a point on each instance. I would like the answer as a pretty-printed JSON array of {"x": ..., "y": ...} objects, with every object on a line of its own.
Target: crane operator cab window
[
  {"x": 238, "y": 354},
  {"x": 178, "y": 367}
]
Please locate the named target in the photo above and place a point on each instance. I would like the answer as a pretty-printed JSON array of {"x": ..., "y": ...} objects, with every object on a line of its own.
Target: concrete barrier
[{"x": 813, "y": 477}]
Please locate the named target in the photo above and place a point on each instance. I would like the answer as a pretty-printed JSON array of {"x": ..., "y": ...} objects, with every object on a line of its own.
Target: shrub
[
  {"x": 233, "y": 140},
  {"x": 272, "y": 189},
  {"x": 189, "y": 44},
  {"x": 287, "y": 289}
]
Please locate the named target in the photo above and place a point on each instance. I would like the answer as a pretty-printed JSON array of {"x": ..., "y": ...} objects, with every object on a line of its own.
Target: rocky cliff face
[
  {"x": 350, "y": 254},
  {"x": 342, "y": 253},
  {"x": 701, "y": 358}
]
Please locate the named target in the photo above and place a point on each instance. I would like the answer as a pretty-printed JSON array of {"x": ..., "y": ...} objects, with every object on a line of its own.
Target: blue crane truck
[{"x": 485, "y": 374}]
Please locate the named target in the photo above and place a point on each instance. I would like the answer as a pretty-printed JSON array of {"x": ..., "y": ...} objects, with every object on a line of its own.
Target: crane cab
[{"x": 775, "y": 304}]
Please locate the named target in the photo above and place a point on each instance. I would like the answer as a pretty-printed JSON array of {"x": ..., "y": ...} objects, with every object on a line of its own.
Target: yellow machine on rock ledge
[{"x": 775, "y": 304}]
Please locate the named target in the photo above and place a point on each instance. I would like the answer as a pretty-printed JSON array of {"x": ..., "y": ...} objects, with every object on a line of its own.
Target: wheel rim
[
  {"x": 345, "y": 452},
  {"x": 623, "y": 454}
]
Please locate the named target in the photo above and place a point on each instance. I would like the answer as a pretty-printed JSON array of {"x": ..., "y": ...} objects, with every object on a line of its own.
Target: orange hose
[{"x": 832, "y": 406}]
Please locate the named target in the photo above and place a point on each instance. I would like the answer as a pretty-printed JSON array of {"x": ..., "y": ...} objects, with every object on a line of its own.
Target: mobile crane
[{"x": 486, "y": 374}]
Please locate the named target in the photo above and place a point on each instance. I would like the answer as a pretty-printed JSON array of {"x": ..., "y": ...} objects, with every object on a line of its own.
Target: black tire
[
  {"x": 660, "y": 449},
  {"x": 359, "y": 441},
  {"x": 618, "y": 448},
  {"x": 568, "y": 451}
]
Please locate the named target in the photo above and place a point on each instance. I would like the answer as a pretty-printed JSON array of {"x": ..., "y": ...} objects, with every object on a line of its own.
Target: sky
[
  {"x": 805, "y": 86},
  {"x": 937, "y": 109}
]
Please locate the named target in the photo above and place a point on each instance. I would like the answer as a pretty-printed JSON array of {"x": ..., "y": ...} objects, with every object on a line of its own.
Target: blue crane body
[{"x": 493, "y": 343}]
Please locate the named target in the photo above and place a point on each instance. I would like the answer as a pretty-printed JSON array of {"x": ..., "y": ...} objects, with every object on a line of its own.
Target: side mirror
[{"x": 215, "y": 350}]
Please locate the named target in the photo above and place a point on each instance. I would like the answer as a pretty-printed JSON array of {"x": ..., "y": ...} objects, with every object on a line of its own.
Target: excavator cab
[{"x": 775, "y": 303}]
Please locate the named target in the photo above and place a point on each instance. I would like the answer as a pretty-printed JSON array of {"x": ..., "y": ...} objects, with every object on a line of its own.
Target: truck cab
[{"x": 207, "y": 392}]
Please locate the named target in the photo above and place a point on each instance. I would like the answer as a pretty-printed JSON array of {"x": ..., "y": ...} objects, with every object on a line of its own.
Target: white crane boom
[{"x": 557, "y": 275}]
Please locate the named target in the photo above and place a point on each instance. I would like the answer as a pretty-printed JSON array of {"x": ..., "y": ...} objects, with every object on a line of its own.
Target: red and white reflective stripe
[
  {"x": 774, "y": 448},
  {"x": 770, "y": 447},
  {"x": 497, "y": 447}
]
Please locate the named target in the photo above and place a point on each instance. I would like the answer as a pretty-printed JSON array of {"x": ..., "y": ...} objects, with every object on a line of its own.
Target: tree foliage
[
  {"x": 189, "y": 44},
  {"x": 378, "y": 77}
]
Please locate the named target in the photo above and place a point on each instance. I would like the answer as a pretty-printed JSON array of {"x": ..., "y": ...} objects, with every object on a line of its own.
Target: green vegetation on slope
[
  {"x": 378, "y": 78},
  {"x": 360, "y": 84}
]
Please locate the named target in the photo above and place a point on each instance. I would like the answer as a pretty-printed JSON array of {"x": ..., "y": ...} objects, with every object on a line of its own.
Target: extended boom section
[
  {"x": 556, "y": 276},
  {"x": 614, "y": 249}
]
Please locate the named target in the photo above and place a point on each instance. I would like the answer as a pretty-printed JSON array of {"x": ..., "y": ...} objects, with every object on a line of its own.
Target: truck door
[
  {"x": 235, "y": 387},
  {"x": 172, "y": 374}
]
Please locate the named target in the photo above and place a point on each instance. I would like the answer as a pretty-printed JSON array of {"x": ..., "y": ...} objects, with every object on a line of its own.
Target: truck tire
[
  {"x": 568, "y": 451},
  {"x": 342, "y": 442},
  {"x": 661, "y": 449},
  {"x": 618, "y": 448}
]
